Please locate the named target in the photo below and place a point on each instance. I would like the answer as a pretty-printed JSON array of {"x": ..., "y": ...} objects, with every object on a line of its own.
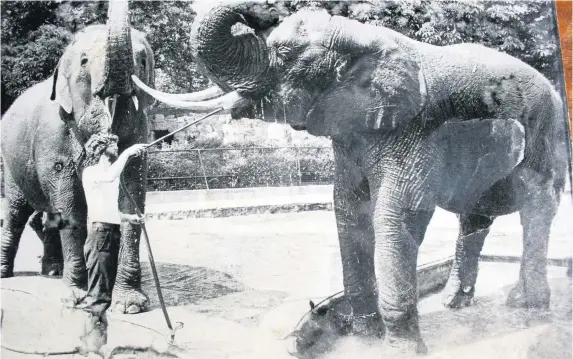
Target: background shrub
[{"x": 35, "y": 33}]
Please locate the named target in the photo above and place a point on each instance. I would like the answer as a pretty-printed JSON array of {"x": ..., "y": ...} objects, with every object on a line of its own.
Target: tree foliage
[
  {"x": 524, "y": 29},
  {"x": 35, "y": 33}
]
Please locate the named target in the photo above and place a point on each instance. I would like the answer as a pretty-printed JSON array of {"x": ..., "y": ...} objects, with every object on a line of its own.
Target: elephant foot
[
  {"x": 537, "y": 295},
  {"x": 399, "y": 347},
  {"x": 403, "y": 336},
  {"x": 6, "y": 271},
  {"x": 456, "y": 296},
  {"x": 131, "y": 301},
  {"x": 52, "y": 268},
  {"x": 368, "y": 326}
]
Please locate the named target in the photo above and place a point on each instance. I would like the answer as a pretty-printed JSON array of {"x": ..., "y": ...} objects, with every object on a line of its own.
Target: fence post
[
  {"x": 299, "y": 174},
  {"x": 290, "y": 170},
  {"x": 203, "y": 168}
]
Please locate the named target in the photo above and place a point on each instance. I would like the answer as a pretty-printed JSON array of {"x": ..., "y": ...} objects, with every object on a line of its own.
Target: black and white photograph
[{"x": 233, "y": 179}]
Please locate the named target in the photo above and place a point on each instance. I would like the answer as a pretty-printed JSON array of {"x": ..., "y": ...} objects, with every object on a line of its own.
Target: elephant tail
[
  {"x": 566, "y": 133},
  {"x": 562, "y": 95}
]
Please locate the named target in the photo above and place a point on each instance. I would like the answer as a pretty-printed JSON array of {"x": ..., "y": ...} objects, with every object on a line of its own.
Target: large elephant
[
  {"x": 43, "y": 134},
  {"x": 413, "y": 126}
]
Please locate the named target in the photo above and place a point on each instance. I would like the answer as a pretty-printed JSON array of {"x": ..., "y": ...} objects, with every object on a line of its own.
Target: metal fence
[{"x": 210, "y": 168}]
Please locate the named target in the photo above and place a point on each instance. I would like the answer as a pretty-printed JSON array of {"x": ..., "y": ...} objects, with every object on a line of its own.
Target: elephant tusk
[
  {"x": 135, "y": 102},
  {"x": 225, "y": 102},
  {"x": 112, "y": 109},
  {"x": 110, "y": 103},
  {"x": 206, "y": 94}
]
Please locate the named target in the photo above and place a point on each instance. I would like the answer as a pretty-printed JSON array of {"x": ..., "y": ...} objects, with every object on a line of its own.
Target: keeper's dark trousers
[{"x": 101, "y": 252}]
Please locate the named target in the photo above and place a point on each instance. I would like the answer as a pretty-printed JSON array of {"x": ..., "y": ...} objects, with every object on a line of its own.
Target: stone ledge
[{"x": 238, "y": 211}]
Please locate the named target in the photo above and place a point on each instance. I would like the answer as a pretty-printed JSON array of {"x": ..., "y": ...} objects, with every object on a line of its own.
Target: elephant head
[
  {"x": 318, "y": 72},
  {"x": 94, "y": 73}
]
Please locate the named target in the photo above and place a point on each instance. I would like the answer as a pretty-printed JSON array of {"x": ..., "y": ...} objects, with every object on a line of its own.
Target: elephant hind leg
[
  {"x": 532, "y": 289},
  {"x": 53, "y": 259},
  {"x": 37, "y": 224},
  {"x": 16, "y": 216},
  {"x": 459, "y": 290},
  {"x": 49, "y": 234}
]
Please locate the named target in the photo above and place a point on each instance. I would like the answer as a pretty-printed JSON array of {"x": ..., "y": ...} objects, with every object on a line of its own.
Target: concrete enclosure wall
[{"x": 261, "y": 194}]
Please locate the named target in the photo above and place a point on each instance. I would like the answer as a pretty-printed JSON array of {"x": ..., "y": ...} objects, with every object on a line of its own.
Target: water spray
[{"x": 184, "y": 127}]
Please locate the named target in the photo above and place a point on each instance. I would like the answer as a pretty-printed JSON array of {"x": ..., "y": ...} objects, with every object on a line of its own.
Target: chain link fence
[{"x": 214, "y": 168}]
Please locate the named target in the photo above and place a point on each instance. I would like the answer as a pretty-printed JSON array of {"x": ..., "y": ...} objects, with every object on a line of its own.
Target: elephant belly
[
  {"x": 504, "y": 197},
  {"x": 25, "y": 177},
  {"x": 476, "y": 157}
]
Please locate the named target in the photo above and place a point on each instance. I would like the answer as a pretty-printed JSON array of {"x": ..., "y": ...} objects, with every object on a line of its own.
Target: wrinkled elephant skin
[
  {"x": 43, "y": 134},
  {"x": 413, "y": 126}
]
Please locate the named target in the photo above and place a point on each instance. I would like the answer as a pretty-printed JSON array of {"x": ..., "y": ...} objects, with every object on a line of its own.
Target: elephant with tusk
[
  {"x": 43, "y": 134},
  {"x": 414, "y": 127}
]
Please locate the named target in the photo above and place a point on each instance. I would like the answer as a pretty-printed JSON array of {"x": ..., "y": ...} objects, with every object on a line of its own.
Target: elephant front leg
[
  {"x": 356, "y": 238},
  {"x": 127, "y": 294},
  {"x": 459, "y": 290},
  {"x": 73, "y": 235},
  {"x": 399, "y": 234}
]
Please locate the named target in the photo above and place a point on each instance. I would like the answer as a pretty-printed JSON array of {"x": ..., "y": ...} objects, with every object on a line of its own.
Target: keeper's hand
[{"x": 136, "y": 150}]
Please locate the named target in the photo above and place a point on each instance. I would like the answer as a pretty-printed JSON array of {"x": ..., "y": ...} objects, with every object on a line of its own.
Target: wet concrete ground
[{"x": 240, "y": 284}]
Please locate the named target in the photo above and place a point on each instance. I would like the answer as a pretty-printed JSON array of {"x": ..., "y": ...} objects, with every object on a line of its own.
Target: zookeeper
[{"x": 100, "y": 180}]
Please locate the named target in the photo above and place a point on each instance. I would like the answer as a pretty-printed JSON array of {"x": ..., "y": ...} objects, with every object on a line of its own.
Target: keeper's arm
[{"x": 114, "y": 171}]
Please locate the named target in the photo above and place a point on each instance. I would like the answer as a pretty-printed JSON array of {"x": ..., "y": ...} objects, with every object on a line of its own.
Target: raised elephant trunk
[
  {"x": 119, "y": 54},
  {"x": 234, "y": 62},
  {"x": 238, "y": 64}
]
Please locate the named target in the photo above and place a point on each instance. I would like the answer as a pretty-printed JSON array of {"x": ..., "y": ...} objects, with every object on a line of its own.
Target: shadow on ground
[
  {"x": 209, "y": 292},
  {"x": 32, "y": 274},
  {"x": 183, "y": 284}
]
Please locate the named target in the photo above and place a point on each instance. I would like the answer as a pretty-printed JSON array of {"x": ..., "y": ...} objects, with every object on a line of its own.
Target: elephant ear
[
  {"x": 398, "y": 87},
  {"x": 61, "y": 91},
  {"x": 379, "y": 88}
]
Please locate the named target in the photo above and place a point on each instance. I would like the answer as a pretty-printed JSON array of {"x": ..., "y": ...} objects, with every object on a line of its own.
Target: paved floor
[{"x": 241, "y": 283}]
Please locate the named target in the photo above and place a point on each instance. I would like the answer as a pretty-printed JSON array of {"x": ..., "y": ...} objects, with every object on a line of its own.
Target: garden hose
[
  {"x": 146, "y": 235},
  {"x": 184, "y": 127},
  {"x": 55, "y": 352}
]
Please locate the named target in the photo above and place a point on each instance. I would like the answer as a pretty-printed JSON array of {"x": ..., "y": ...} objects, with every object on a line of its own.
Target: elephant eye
[
  {"x": 84, "y": 61},
  {"x": 143, "y": 63}
]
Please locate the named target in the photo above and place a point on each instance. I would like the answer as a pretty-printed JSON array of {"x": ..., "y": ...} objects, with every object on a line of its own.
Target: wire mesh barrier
[{"x": 212, "y": 168}]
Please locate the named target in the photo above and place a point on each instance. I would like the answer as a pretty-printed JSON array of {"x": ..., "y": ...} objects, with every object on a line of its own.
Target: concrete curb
[
  {"x": 238, "y": 211},
  {"x": 180, "y": 205}
]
